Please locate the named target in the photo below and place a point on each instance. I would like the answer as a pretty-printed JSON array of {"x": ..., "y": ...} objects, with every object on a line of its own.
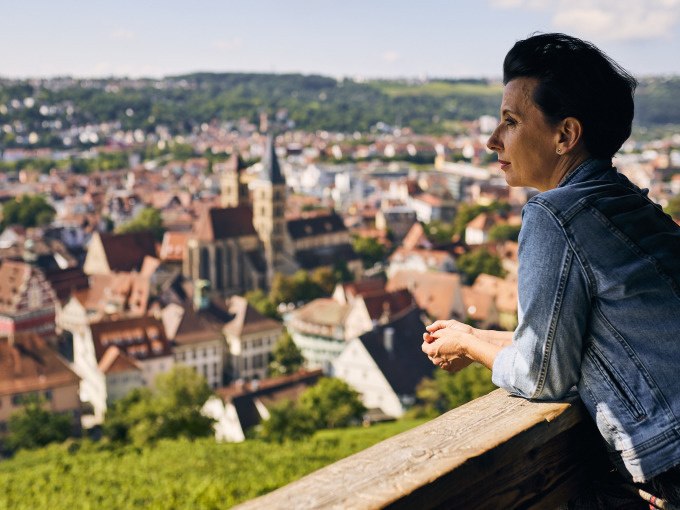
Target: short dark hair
[{"x": 578, "y": 80}]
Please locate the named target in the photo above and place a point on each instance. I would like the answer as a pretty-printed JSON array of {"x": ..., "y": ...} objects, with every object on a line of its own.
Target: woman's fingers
[{"x": 437, "y": 325}]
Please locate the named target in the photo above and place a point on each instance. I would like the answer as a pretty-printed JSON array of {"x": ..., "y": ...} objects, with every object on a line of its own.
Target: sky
[{"x": 342, "y": 38}]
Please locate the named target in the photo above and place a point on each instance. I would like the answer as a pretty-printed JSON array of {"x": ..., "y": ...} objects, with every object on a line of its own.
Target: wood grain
[{"x": 495, "y": 452}]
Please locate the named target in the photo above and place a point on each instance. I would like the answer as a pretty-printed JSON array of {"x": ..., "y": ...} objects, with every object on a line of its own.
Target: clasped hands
[{"x": 445, "y": 343}]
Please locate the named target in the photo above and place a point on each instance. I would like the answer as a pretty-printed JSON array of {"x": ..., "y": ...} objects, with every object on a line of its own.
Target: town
[{"x": 268, "y": 259}]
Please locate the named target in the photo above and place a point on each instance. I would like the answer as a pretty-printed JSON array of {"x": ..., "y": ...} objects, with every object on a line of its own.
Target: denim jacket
[{"x": 599, "y": 310}]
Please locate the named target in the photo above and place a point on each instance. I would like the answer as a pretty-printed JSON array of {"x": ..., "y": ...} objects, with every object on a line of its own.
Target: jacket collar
[{"x": 587, "y": 171}]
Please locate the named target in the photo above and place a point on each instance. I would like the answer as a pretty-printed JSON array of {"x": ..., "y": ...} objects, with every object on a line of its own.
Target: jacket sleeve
[{"x": 544, "y": 360}]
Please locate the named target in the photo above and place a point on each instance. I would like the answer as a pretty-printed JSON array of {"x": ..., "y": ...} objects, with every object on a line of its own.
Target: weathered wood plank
[{"x": 495, "y": 452}]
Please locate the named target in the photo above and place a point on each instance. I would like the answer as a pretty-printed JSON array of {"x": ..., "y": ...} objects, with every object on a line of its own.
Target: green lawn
[
  {"x": 437, "y": 89},
  {"x": 172, "y": 474}
]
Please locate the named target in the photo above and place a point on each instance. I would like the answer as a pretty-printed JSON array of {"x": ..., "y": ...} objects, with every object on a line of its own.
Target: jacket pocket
[{"x": 616, "y": 384}]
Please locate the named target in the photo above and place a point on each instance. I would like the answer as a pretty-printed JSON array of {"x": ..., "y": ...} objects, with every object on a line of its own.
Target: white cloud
[
  {"x": 123, "y": 34},
  {"x": 607, "y": 19},
  {"x": 390, "y": 56},
  {"x": 228, "y": 45},
  {"x": 527, "y": 4},
  {"x": 619, "y": 19}
]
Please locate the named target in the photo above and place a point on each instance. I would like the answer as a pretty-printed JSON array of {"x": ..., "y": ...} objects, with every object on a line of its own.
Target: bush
[
  {"x": 286, "y": 422},
  {"x": 34, "y": 427},
  {"x": 171, "y": 410},
  {"x": 332, "y": 403}
]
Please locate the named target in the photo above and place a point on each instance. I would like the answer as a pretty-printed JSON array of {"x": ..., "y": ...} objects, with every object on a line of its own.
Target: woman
[{"x": 599, "y": 274}]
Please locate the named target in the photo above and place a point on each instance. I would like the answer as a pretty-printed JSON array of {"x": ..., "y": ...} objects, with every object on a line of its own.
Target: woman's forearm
[
  {"x": 482, "y": 351},
  {"x": 500, "y": 338}
]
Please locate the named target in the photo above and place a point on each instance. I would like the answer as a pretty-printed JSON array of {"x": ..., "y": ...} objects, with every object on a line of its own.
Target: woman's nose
[{"x": 494, "y": 142}]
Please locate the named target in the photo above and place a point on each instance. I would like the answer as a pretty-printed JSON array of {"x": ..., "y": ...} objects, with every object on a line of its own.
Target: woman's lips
[{"x": 504, "y": 164}]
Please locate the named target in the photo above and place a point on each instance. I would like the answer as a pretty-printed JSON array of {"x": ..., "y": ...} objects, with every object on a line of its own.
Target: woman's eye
[{"x": 510, "y": 121}]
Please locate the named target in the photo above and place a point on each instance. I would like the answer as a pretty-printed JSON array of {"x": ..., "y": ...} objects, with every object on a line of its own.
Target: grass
[
  {"x": 437, "y": 89},
  {"x": 175, "y": 474}
]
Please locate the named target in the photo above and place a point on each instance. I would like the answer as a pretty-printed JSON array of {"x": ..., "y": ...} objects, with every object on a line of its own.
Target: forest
[{"x": 306, "y": 102}]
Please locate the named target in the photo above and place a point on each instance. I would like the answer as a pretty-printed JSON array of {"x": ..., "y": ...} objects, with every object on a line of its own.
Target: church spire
[{"x": 272, "y": 169}]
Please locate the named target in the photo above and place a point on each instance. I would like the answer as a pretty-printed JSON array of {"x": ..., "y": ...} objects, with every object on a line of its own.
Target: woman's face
[{"x": 525, "y": 141}]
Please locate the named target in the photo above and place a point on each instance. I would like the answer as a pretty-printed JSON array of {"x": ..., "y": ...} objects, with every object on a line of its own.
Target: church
[{"x": 241, "y": 245}]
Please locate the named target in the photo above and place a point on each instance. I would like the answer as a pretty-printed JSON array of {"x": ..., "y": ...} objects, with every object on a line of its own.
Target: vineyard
[{"x": 172, "y": 474}]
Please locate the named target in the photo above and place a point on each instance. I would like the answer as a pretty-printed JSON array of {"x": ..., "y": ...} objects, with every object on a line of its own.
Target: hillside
[
  {"x": 309, "y": 102},
  {"x": 172, "y": 474}
]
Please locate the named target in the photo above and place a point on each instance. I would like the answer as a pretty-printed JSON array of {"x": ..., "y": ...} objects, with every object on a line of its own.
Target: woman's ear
[{"x": 570, "y": 134}]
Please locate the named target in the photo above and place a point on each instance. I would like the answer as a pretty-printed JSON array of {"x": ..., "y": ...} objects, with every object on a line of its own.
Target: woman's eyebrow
[{"x": 505, "y": 111}]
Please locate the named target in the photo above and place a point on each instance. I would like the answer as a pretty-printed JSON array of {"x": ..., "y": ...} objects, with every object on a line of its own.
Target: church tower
[
  {"x": 234, "y": 191},
  {"x": 269, "y": 205}
]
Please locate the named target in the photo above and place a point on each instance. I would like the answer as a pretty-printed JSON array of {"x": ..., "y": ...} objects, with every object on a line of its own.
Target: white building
[
  {"x": 113, "y": 356},
  {"x": 386, "y": 364}
]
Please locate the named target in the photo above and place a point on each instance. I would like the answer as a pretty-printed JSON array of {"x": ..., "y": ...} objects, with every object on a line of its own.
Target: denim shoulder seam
[{"x": 562, "y": 217}]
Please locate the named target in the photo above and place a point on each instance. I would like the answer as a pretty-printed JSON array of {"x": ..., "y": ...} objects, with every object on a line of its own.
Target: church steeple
[
  {"x": 269, "y": 205},
  {"x": 234, "y": 189},
  {"x": 272, "y": 169}
]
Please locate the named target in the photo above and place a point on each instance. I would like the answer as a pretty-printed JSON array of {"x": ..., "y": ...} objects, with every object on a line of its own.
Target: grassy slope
[
  {"x": 437, "y": 89},
  {"x": 173, "y": 474}
]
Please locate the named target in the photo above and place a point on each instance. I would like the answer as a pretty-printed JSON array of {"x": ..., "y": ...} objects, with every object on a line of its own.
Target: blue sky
[{"x": 358, "y": 38}]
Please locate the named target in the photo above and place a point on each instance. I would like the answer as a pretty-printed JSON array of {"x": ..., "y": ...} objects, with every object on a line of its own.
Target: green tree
[
  {"x": 172, "y": 409},
  {"x": 440, "y": 232},
  {"x": 286, "y": 421},
  {"x": 369, "y": 249},
  {"x": 479, "y": 261},
  {"x": 295, "y": 288},
  {"x": 326, "y": 278},
  {"x": 447, "y": 391},
  {"x": 504, "y": 232},
  {"x": 33, "y": 426},
  {"x": 262, "y": 303},
  {"x": 286, "y": 357},
  {"x": 468, "y": 212},
  {"x": 147, "y": 219},
  {"x": 673, "y": 207},
  {"x": 331, "y": 403},
  {"x": 28, "y": 211}
]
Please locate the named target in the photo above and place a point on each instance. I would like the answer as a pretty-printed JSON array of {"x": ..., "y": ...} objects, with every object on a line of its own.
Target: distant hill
[{"x": 310, "y": 102}]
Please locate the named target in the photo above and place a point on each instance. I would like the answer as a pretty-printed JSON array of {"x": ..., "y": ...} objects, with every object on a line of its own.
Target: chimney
[{"x": 388, "y": 341}]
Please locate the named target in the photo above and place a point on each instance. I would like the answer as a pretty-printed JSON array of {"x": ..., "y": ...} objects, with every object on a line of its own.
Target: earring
[{"x": 559, "y": 151}]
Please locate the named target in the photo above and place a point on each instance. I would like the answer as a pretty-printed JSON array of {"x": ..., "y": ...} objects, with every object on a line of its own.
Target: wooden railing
[{"x": 496, "y": 452}]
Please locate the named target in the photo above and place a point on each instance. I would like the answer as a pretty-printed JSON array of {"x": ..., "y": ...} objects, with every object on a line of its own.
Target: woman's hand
[
  {"x": 453, "y": 324},
  {"x": 445, "y": 342}
]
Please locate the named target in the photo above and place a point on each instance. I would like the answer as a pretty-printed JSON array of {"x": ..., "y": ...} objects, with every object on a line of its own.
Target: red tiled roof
[
  {"x": 246, "y": 319},
  {"x": 433, "y": 291},
  {"x": 174, "y": 246},
  {"x": 225, "y": 223},
  {"x": 29, "y": 364},
  {"x": 416, "y": 238},
  {"x": 13, "y": 278},
  {"x": 126, "y": 252},
  {"x": 115, "y": 361},
  {"x": 267, "y": 385},
  {"x": 388, "y": 304},
  {"x": 361, "y": 287},
  {"x": 477, "y": 304},
  {"x": 141, "y": 337}
]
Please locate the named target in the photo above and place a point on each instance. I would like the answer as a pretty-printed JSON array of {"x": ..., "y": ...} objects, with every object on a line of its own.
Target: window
[{"x": 48, "y": 395}]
